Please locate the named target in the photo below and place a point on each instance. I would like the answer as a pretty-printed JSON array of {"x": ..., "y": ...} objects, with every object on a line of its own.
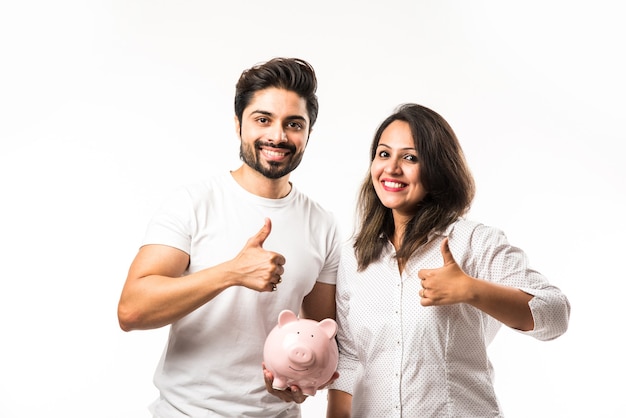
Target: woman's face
[{"x": 395, "y": 170}]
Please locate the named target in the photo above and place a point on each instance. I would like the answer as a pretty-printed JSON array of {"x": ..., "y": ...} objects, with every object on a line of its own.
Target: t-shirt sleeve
[
  {"x": 333, "y": 242},
  {"x": 172, "y": 223}
]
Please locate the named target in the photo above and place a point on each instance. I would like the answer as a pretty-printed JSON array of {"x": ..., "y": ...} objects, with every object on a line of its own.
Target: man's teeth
[{"x": 275, "y": 153}]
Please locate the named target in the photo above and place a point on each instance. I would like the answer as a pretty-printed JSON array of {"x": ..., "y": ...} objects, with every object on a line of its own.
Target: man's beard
[{"x": 275, "y": 170}]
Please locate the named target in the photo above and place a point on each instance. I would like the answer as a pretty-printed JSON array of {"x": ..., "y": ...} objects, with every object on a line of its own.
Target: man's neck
[{"x": 256, "y": 183}]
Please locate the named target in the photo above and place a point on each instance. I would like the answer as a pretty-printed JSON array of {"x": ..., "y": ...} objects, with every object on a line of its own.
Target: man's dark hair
[{"x": 291, "y": 74}]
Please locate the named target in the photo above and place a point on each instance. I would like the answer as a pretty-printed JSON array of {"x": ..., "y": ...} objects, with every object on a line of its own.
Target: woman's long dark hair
[{"x": 444, "y": 173}]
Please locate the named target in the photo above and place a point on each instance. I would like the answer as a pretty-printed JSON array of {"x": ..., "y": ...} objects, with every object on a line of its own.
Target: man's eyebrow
[
  {"x": 270, "y": 114},
  {"x": 297, "y": 117}
]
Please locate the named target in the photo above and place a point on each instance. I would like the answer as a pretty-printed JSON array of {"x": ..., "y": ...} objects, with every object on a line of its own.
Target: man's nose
[{"x": 278, "y": 134}]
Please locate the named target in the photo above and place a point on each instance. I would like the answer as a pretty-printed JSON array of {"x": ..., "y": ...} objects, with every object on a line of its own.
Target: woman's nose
[{"x": 392, "y": 167}]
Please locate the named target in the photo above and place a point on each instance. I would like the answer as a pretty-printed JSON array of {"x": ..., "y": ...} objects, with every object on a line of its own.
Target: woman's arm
[{"x": 449, "y": 285}]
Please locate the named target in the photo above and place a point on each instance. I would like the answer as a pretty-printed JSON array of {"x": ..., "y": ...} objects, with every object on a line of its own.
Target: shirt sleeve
[
  {"x": 499, "y": 261},
  {"x": 551, "y": 312},
  {"x": 173, "y": 222},
  {"x": 328, "y": 274}
]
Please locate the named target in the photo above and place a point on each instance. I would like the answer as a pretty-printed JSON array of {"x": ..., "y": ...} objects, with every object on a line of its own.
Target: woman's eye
[
  {"x": 412, "y": 158},
  {"x": 383, "y": 154}
]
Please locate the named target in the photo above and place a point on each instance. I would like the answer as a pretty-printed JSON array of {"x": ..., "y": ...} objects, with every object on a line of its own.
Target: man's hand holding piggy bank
[{"x": 301, "y": 352}]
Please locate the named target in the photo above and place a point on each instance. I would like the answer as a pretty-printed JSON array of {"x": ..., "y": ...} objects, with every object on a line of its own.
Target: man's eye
[
  {"x": 262, "y": 120},
  {"x": 295, "y": 125}
]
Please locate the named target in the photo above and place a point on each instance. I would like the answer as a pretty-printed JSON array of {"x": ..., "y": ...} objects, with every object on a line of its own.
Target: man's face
[{"x": 274, "y": 131}]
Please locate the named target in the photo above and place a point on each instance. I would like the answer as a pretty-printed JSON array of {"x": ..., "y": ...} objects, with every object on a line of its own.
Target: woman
[{"x": 421, "y": 290}]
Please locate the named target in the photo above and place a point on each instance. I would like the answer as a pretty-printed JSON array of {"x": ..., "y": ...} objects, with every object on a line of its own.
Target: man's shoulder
[
  {"x": 212, "y": 183},
  {"x": 315, "y": 206}
]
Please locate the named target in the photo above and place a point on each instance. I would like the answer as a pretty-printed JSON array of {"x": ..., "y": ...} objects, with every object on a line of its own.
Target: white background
[{"x": 105, "y": 106}]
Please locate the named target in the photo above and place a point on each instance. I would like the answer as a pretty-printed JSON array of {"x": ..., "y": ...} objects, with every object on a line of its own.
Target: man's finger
[{"x": 262, "y": 235}]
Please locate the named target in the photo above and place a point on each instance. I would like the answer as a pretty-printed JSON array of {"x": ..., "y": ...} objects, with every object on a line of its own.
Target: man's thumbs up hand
[
  {"x": 257, "y": 268},
  {"x": 261, "y": 236}
]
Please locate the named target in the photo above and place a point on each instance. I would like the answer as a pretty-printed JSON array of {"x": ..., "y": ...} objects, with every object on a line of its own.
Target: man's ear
[{"x": 237, "y": 127}]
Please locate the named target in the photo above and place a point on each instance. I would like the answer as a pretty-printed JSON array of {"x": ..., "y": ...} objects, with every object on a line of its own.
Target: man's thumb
[{"x": 263, "y": 233}]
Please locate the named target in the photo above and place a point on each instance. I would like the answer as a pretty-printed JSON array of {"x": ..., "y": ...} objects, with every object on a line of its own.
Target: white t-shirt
[
  {"x": 401, "y": 359},
  {"x": 211, "y": 365}
]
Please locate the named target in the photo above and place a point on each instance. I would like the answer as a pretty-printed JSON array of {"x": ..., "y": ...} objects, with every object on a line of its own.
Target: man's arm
[
  {"x": 320, "y": 303},
  {"x": 339, "y": 404},
  {"x": 156, "y": 295}
]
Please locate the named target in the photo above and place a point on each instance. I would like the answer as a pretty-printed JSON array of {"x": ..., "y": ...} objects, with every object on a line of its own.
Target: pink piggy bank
[{"x": 301, "y": 352}]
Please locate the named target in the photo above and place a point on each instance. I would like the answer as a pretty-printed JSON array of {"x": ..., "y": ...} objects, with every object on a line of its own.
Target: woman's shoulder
[
  {"x": 474, "y": 234},
  {"x": 470, "y": 227}
]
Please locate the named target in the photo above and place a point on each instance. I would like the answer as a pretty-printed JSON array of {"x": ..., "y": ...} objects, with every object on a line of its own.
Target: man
[{"x": 223, "y": 257}]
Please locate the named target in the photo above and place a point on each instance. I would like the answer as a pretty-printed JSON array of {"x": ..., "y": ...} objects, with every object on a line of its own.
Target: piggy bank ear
[
  {"x": 285, "y": 317},
  {"x": 329, "y": 326}
]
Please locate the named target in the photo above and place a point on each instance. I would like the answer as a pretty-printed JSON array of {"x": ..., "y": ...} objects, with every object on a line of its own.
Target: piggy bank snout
[{"x": 301, "y": 354}]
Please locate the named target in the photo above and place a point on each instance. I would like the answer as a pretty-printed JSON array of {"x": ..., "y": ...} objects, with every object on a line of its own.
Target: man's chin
[
  {"x": 271, "y": 171},
  {"x": 275, "y": 175}
]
